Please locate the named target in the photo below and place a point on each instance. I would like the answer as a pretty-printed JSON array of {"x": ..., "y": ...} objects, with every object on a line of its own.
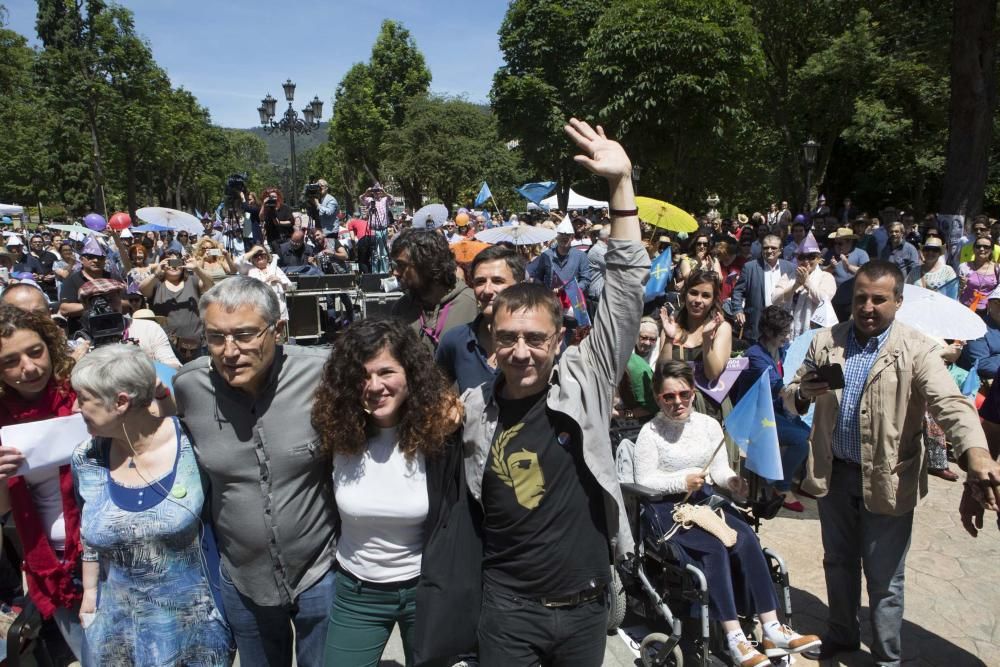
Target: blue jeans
[
  {"x": 793, "y": 437},
  {"x": 856, "y": 539},
  {"x": 264, "y": 634}
]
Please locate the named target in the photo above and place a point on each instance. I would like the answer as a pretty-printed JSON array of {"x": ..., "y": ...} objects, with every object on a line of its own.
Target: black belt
[
  {"x": 846, "y": 462},
  {"x": 573, "y": 599},
  {"x": 378, "y": 586}
]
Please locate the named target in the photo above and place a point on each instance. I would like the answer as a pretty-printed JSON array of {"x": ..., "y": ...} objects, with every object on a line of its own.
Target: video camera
[
  {"x": 101, "y": 324},
  {"x": 312, "y": 191},
  {"x": 236, "y": 184}
]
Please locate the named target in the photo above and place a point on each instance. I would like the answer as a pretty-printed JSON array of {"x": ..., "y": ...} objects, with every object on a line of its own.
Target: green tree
[
  {"x": 398, "y": 72},
  {"x": 544, "y": 44},
  {"x": 672, "y": 80},
  {"x": 441, "y": 147}
]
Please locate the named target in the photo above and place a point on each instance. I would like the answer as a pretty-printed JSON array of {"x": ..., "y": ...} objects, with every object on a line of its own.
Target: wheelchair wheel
[
  {"x": 651, "y": 648},
  {"x": 617, "y": 601}
]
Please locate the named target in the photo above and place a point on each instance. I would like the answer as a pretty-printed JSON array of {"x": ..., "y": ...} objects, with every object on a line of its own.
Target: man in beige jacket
[{"x": 867, "y": 459}]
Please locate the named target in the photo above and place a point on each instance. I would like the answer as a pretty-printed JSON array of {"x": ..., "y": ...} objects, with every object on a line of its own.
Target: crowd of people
[{"x": 449, "y": 470}]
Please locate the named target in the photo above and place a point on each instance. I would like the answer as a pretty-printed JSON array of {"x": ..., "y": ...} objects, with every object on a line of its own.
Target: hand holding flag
[{"x": 752, "y": 426}]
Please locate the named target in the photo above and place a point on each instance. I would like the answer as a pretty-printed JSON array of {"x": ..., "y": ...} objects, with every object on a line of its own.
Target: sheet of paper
[{"x": 45, "y": 443}]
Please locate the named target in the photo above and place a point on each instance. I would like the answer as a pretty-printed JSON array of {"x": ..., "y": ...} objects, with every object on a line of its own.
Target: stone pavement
[{"x": 952, "y": 587}]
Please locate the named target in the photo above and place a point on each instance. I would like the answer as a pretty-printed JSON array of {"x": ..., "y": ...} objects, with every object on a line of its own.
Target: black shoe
[{"x": 829, "y": 649}]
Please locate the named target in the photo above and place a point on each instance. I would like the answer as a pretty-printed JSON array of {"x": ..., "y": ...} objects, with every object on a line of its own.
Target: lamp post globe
[{"x": 291, "y": 124}]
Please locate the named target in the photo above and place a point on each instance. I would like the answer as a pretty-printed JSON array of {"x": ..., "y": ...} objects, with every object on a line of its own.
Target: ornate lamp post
[
  {"x": 290, "y": 123},
  {"x": 809, "y": 150},
  {"x": 713, "y": 202}
]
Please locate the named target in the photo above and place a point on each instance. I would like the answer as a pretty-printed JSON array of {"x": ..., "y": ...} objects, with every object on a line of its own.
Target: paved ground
[{"x": 952, "y": 588}]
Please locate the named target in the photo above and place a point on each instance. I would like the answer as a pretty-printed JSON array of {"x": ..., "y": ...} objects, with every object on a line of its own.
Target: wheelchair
[{"x": 663, "y": 589}]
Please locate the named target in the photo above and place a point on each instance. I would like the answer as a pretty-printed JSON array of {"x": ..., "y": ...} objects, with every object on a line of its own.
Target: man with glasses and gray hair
[
  {"x": 754, "y": 290},
  {"x": 246, "y": 406}
]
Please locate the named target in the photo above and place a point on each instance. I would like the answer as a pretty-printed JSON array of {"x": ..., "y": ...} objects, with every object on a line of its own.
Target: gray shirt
[
  {"x": 271, "y": 488},
  {"x": 598, "y": 267}
]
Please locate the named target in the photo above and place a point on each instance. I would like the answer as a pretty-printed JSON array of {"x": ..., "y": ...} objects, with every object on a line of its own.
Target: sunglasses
[
  {"x": 932, "y": 249},
  {"x": 682, "y": 396},
  {"x": 700, "y": 243},
  {"x": 982, "y": 247}
]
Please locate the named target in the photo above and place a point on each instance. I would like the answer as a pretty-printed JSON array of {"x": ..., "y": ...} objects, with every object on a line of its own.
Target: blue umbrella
[
  {"x": 431, "y": 216},
  {"x": 150, "y": 227}
]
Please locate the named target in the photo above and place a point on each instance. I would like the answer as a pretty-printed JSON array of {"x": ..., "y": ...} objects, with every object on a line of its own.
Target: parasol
[
  {"x": 171, "y": 218},
  {"x": 934, "y": 314},
  {"x": 517, "y": 234},
  {"x": 466, "y": 251},
  {"x": 431, "y": 216},
  {"x": 665, "y": 216},
  {"x": 75, "y": 229}
]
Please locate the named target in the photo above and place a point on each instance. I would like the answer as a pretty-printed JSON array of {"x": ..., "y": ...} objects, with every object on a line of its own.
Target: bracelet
[{"x": 622, "y": 213}]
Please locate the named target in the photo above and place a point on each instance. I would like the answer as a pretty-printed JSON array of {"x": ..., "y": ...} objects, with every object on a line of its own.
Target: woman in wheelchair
[{"x": 671, "y": 454}]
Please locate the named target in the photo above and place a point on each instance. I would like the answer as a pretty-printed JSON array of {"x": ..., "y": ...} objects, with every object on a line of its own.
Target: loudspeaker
[
  {"x": 379, "y": 306},
  {"x": 304, "y": 318}
]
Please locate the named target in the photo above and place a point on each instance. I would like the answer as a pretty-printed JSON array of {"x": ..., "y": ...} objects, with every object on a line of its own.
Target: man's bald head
[{"x": 26, "y": 297}]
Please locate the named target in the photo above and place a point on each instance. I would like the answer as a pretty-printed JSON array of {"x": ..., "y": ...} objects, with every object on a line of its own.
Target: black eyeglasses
[{"x": 982, "y": 247}]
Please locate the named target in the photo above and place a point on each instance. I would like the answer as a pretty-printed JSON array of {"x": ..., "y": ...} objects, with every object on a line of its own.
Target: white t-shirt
[
  {"x": 382, "y": 500},
  {"x": 44, "y": 485},
  {"x": 153, "y": 341}
]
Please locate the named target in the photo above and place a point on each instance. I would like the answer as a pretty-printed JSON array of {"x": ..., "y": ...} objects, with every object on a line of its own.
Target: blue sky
[{"x": 231, "y": 53}]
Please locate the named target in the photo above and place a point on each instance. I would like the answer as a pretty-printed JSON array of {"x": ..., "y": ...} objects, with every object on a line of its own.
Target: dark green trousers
[{"x": 362, "y": 619}]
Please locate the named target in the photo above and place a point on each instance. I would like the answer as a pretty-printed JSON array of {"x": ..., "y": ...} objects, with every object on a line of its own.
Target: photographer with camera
[
  {"x": 323, "y": 207},
  {"x": 276, "y": 218},
  {"x": 103, "y": 323},
  {"x": 173, "y": 290}
]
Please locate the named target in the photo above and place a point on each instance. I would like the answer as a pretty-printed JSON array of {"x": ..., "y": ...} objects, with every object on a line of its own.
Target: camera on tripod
[
  {"x": 101, "y": 324},
  {"x": 236, "y": 185}
]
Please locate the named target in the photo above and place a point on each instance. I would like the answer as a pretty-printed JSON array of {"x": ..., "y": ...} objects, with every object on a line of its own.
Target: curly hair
[
  {"x": 775, "y": 322},
  {"x": 14, "y": 319},
  {"x": 430, "y": 256},
  {"x": 134, "y": 250},
  {"x": 432, "y": 409},
  {"x": 700, "y": 277}
]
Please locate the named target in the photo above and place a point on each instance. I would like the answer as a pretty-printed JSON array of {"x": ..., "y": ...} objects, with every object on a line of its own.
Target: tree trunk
[
  {"x": 130, "y": 181},
  {"x": 973, "y": 100},
  {"x": 99, "y": 204},
  {"x": 177, "y": 192}
]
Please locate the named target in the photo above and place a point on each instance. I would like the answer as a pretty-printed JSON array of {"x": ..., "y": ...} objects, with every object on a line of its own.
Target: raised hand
[
  {"x": 669, "y": 323},
  {"x": 602, "y": 156}
]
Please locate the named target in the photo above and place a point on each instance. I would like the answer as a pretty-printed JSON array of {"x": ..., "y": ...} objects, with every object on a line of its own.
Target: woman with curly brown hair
[
  {"x": 34, "y": 385},
  {"x": 389, "y": 417},
  {"x": 213, "y": 259}
]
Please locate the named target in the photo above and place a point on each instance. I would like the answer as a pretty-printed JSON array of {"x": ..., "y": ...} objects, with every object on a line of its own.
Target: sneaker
[
  {"x": 789, "y": 641},
  {"x": 745, "y": 654}
]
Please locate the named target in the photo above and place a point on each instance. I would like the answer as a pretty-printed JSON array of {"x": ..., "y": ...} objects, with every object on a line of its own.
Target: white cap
[
  {"x": 565, "y": 227},
  {"x": 126, "y": 233},
  {"x": 13, "y": 239}
]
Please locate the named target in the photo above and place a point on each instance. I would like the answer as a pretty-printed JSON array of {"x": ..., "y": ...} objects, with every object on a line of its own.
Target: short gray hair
[
  {"x": 115, "y": 369},
  {"x": 238, "y": 291}
]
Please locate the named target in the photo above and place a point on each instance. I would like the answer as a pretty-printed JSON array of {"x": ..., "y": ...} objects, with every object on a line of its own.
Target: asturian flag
[{"x": 752, "y": 427}]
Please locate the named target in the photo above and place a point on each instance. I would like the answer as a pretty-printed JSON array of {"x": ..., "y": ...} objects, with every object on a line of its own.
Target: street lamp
[
  {"x": 809, "y": 150},
  {"x": 290, "y": 123},
  {"x": 636, "y": 173}
]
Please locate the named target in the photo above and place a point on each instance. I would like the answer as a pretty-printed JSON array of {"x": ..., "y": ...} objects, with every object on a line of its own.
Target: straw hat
[
  {"x": 843, "y": 233},
  {"x": 147, "y": 314}
]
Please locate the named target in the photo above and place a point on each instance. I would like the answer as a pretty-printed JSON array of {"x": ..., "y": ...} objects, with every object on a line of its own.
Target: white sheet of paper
[{"x": 45, "y": 443}]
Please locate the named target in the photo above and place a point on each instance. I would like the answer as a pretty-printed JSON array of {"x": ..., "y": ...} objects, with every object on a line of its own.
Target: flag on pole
[
  {"x": 659, "y": 274},
  {"x": 751, "y": 425},
  {"x": 970, "y": 387},
  {"x": 950, "y": 289},
  {"x": 484, "y": 194},
  {"x": 578, "y": 302},
  {"x": 536, "y": 192}
]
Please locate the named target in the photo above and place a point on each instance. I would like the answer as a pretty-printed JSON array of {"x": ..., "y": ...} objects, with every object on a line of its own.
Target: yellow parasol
[
  {"x": 665, "y": 216},
  {"x": 466, "y": 251}
]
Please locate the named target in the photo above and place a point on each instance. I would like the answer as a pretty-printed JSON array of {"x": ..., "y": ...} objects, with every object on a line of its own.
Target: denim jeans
[
  {"x": 362, "y": 619},
  {"x": 514, "y": 631},
  {"x": 856, "y": 539},
  {"x": 264, "y": 634}
]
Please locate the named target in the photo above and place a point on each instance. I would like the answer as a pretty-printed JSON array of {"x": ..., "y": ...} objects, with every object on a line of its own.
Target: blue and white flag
[
  {"x": 536, "y": 192},
  {"x": 970, "y": 387},
  {"x": 660, "y": 272},
  {"x": 950, "y": 289},
  {"x": 484, "y": 194},
  {"x": 752, "y": 427}
]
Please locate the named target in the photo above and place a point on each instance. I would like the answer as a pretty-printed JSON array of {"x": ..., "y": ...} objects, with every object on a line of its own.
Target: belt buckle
[{"x": 560, "y": 602}]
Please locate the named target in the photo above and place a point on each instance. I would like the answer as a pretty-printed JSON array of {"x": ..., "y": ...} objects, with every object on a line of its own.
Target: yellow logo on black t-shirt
[{"x": 520, "y": 471}]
